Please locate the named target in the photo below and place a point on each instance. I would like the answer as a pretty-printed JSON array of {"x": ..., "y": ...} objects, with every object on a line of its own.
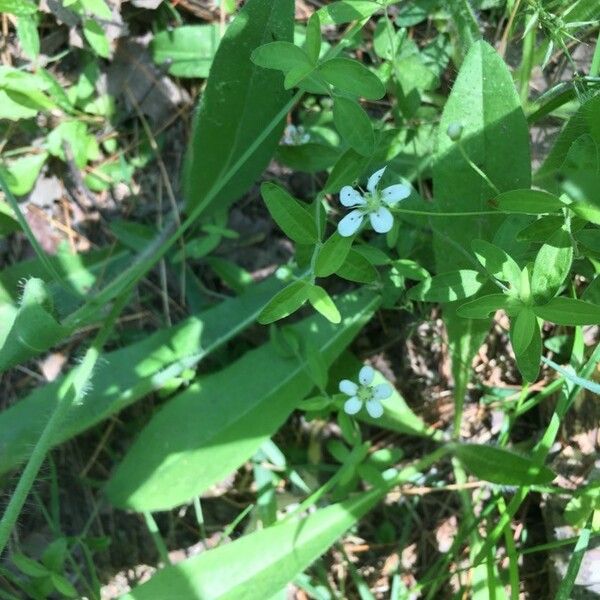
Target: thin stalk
[
  {"x": 157, "y": 537},
  {"x": 595, "y": 66},
  {"x": 70, "y": 393}
]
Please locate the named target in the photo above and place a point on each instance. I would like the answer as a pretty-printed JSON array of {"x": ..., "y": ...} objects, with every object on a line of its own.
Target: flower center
[
  {"x": 373, "y": 200},
  {"x": 365, "y": 393}
]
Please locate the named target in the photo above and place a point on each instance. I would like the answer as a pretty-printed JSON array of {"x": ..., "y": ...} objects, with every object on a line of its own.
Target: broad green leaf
[
  {"x": 321, "y": 301},
  {"x": 495, "y": 137},
  {"x": 569, "y": 311},
  {"x": 283, "y": 56},
  {"x": 285, "y": 302},
  {"x": 541, "y": 229},
  {"x": 523, "y": 327},
  {"x": 497, "y": 262},
  {"x": 552, "y": 266},
  {"x": 258, "y": 565},
  {"x": 30, "y": 328},
  {"x": 130, "y": 373},
  {"x": 528, "y": 360},
  {"x": 590, "y": 238},
  {"x": 410, "y": 269},
  {"x": 187, "y": 51},
  {"x": 310, "y": 157},
  {"x": 332, "y": 254},
  {"x": 483, "y": 307},
  {"x": 357, "y": 268},
  {"x": 293, "y": 219},
  {"x": 501, "y": 466},
  {"x": 351, "y": 77},
  {"x": 344, "y": 11},
  {"x": 447, "y": 287},
  {"x": 354, "y": 125},
  {"x": 18, "y": 7},
  {"x": 22, "y": 173},
  {"x": 96, "y": 38},
  {"x": 527, "y": 202},
  {"x": 29, "y": 38},
  {"x": 313, "y": 37},
  {"x": 240, "y": 101},
  {"x": 177, "y": 456}
]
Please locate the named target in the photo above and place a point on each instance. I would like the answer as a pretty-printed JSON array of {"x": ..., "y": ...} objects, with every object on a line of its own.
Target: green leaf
[
  {"x": 351, "y": 77},
  {"x": 30, "y": 328},
  {"x": 552, "y": 266},
  {"x": 569, "y": 311},
  {"x": 332, "y": 254},
  {"x": 294, "y": 220},
  {"x": 310, "y": 157},
  {"x": 96, "y": 38},
  {"x": 527, "y": 202},
  {"x": 177, "y": 457},
  {"x": 63, "y": 585},
  {"x": 130, "y": 373},
  {"x": 348, "y": 168},
  {"x": 590, "y": 238},
  {"x": 528, "y": 360},
  {"x": 28, "y": 566},
  {"x": 83, "y": 144},
  {"x": 18, "y": 7},
  {"x": 313, "y": 37},
  {"x": 357, "y": 268},
  {"x": 344, "y": 11},
  {"x": 55, "y": 554},
  {"x": 28, "y": 36},
  {"x": 497, "y": 262},
  {"x": 523, "y": 327},
  {"x": 270, "y": 558},
  {"x": 283, "y": 56},
  {"x": 97, "y": 7},
  {"x": 285, "y": 302},
  {"x": 501, "y": 466},
  {"x": 187, "y": 51},
  {"x": 541, "y": 229},
  {"x": 239, "y": 102},
  {"x": 354, "y": 125},
  {"x": 321, "y": 301},
  {"x": 483, "y": 307},
  {"x": 447, "y": 287},
  {"x": 410, "y": 269},
  {"x": 22, "y": 173}
]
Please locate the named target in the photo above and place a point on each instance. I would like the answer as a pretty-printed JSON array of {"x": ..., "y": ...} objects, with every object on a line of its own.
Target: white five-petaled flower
[
  {"x": 365, "y": 393},
  {"x": 375, "y": 203}
]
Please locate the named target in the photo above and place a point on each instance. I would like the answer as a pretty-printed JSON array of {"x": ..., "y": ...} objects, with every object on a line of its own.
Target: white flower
[
  {"x": 374, "y": 203},
  {"x": 295, "y": 136},
  {"x": 365, "y": 393}
]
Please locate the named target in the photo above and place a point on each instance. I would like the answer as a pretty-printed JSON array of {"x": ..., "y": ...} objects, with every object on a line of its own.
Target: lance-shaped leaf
[
  {"x": 569, "y": 311},
  {"x": 497, "y": 262},
  {"x": 260, "y": 564},
  {"x": 528, "y": 359},
  {"x": 523, "y": 327},
  {"x": 203, "y": 434},
  {"x": 124, "y": 376},
  {"x": 285, "y": 302},
  {"x": 527, "y": 202},
  {"x": 240, "y": 101},
  {"x": 501, "y": 466},
  {"x": 484, "y": 307}
]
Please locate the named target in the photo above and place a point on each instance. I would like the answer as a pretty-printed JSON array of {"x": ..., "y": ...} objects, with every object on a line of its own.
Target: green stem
[
  {"x": 157, "y": 537},
  {"x": 595, "y": 66},
  {"x": 70, "y": 393},
  {"x": 476, "y": 168},
  {"x": 526, "y": 65}
]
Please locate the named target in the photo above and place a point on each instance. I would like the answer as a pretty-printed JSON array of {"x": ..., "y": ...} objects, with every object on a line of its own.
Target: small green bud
[{"x": 454, "y": 131}]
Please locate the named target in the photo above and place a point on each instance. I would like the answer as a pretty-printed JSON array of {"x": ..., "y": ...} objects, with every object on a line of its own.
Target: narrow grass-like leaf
[{"x": 208, "y": 431}]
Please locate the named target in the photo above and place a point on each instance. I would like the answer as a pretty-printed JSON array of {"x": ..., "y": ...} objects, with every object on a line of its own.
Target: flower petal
[
  {"x": 352, "y": 406},
  {"x": 395, "y": 193},
  {"x": 350, "y": 197},
  {"x": 374, "y": 408},
  {"x": 382, "y": 391},
  {"x": 348, "y": 387},
  {"x": 375, "y": 179},
  {"x": 381, "y": 220},
  {"x": 350, "y": 223},
  {"x": 366, "y": 374}
]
